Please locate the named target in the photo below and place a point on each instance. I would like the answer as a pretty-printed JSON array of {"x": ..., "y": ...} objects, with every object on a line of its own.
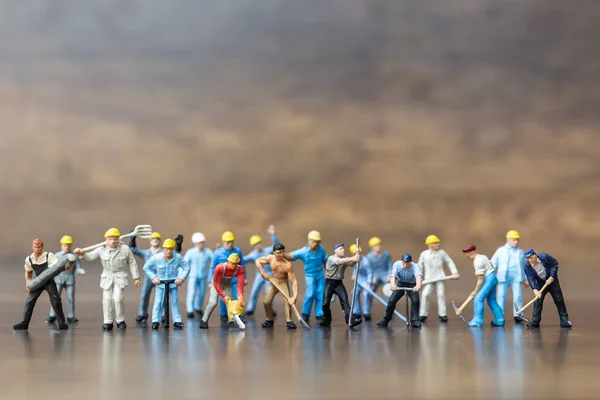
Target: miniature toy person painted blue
[
  {"x": 365, "y": 277},
  {"x": 199, "y": 258},
  {"x": 485, "y": 289},
  {"x": 147, "y": 285},
  {"x": 257, "y": 252},
  {"x": 381, "y": 265},
  {"x": 165, "y": 266},
  {"x": 540, "y": 269}
]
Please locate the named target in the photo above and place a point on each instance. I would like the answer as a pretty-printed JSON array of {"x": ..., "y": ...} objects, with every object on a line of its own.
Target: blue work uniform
[
  {"x": 487, "y": 292},
  {"x": 147, "y": 285},
  {"x": 365, "y": 277},
  {"x": 220, "y": 257},
  {"x": 174, "y": 268},
  {"x": 314, "y": 262},
  {"x": 381, "y": 267},
  {"x": 509, "y": 263},
  {"x": 198, "y": 261},
  {"x": 259, "y": 282}
]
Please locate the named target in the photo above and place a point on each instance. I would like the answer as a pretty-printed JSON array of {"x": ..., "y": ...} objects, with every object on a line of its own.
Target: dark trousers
[
  {"x": 556, "y": 293},
  {"x": 397, "y": 295},
  {"x": 335, "y": 286},
  {"x": 54, "y": 301}
]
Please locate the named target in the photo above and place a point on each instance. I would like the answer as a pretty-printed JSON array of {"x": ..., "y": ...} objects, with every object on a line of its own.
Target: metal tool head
[
  {"x": 304, "y": 324},
  {"x": 238, "y": 321},
  {"x": 143, "y": 231},
  {"x": 519, "y": 314},
  {"x": 458, "y": 312},
  {"x": 386, "y": 290}
]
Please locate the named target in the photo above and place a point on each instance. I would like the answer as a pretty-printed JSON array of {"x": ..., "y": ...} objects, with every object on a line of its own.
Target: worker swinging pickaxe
[{"x": 520, "y": 312}]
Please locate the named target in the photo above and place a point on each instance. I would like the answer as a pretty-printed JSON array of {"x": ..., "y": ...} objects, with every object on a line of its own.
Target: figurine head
[
  {"x": 199, "y": 240},
  {"x": 512, "y": 238},
  {"x": 470, "y": 251},
  {"x": 112, "y": 238},
  {"x": 256, "y": 242},
  {"x": 279, "y": 251},
  {"x": 375, "y": 244},
  {"x": 65, "y": 243},
  {"x": 227, "y": 238},
  {"x": 432, "y": 242},
  {"x": 339, "y": 250},
  {"x": 37, "y": 246},
  {"x": 406, "y": 260},
  {"x": 233, "y": 260},
  {"x": 168, "y": 248},
  {"x": 531, "y": 256},
  {"x": 155, "y": 239},
  {"x": 314, "y": 240}
]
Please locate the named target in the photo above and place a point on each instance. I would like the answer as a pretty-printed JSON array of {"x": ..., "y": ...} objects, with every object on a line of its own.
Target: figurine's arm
[
  {"x": 150, "y": 269},
  {"x": 133, "y": 268},
  {"x": 92, "y": 255},
  {"x": 240, "y": 284},
  {"x": 184, "y": 270},
  {"x": 478, "y": 285},
  {"x": 218, "y": 273},
  {"x": 292, "y": 276},
  {"x": 451, "y": 265},
  {"x": 419, "y": 279},
  {"x": 261, "y": 270}
]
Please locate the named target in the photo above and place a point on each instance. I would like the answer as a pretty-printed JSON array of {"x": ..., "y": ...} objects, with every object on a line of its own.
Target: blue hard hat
[
  {"x": 529, "y": 253},
  {"x": 338, "y": 245},
  {"x": 406, "y": 257}
]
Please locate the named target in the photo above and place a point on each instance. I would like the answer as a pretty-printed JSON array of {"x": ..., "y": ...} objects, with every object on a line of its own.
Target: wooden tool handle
[
  {"x": 534, "y": 299},
  {"x": 467, "y": 301},
  {"x": 286, "y": 299}
]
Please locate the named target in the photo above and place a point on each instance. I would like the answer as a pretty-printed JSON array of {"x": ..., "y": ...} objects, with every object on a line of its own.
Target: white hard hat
[{"x": 198, "y": 238}]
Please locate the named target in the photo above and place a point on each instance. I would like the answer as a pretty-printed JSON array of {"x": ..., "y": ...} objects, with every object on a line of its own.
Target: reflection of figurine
[
  {"x": 199, "y": 258},
  {"x": 381, "y": 265},
  {"x": 220, "y": 256},
  {"x": 222, "y": 286},
  {"x": 166, "y": 267},
  {"x": 314, "y": 258},
  {"x": 66, "y": 281},
  {"x": 509, "y": 262},
  {"x": 147, "y": 285},
  {"x": 405, "y": 274},
  {"x": 258, "y": 252},
  {"x": 542, "y": 269},
  {"x": 432, "y": 262},
  {"x": 485, "y": 289},
  {"x": 334, "y": 284},
  {"x": 283, "y": 273},
  {"x": 37, "y": 262},
  {"x": 365, "y": 277},
  {"x": 115, "y": 258}
]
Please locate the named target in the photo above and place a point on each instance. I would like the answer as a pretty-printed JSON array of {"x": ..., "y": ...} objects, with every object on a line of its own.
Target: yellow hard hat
[
  {"x": 168, "y": 244},
  {"x": 112, "y": 232},
  {"x": 66, "y": 240},
  {"x": 314, "y": 235},
  {"x": 374, "y": 241},
  {"x": 513, "y": 235},
  {"x": 233, "y": 258},
  {"x": 155, "y": 235},
  {"x": 353, "y": 248},
  {"x": 227, "y": 237},
  {"x": 254, "y": 240},
  {"x": 431, "y": 239},
  {"x": 234, "y": 306}
]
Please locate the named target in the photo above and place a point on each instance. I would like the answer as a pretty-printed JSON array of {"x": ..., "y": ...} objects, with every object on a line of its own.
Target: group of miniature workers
[{"x": 224, "y": 272}]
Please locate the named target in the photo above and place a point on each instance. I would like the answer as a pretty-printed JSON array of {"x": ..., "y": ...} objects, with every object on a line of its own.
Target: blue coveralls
[
  {"x": 365, "y": 277},
  {"x": 314, "y": 263},
  {"x": 381, "y": 267},
  {"x": 147, "y": 285},
  {"x": 509, "y": 263},
  {"x": 174, "y": 268},
  {"x": 219, "y": 257},
  {"x": 259, "y": 282},
  {"x": 198, "y": 262}
]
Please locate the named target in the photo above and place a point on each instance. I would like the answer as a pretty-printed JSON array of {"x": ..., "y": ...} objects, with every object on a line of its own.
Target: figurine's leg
[
  {"x": 55, "y": 301},
  {"x": 108, "y": 308},
  {"x": 501, "y": 291},
  {"x": 52, "y": 314},
  {"x": 357, "y": 310},
  {"x": 326, "y": 307},
  {"x": 268, "y": 302},
  {"x": 517, "y": 291},
  {"x": 495, "y": 307},
  {"x": 414, "y": 307},
  {"x": 320, "y": 295},
  {"x": 192, "y": 289},
  {"x": 441, "y": 299},
  {"x": 391, "y": 305},
  {"x": 478, "y": 306},
  {"x": 309, "y": 295},
  {"x": 228, "y": 289},
  {"x": 213, "y": 298},
  {"x": 366, "y": 299},
  {"x": 424, "y": 311},
  {"x": 556, "y": 292},
  {"x": 174, "y": 298},
  {"x": 538, "y": 307},
  {"x": 70, "y": 302},
  {"x": 287, "y": 308},
  {"x": 118, "y": 297},
  {"x": 30, "y": 304},
  {"x": 199, "y": 300},
  {"x": 342, "y": 294},
  {"x": 159, "y": 301},
  {"x": 256, "y": 286},
  {"x": 147, "y": 286}
]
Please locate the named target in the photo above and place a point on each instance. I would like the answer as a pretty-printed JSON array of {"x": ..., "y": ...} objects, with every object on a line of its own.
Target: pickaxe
[
  {"x": 520, "y": 312},
  {"x": 460, "y": 309}
]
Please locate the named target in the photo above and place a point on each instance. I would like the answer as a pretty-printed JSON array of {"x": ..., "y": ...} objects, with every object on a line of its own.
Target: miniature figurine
[
  {"x": 509, "y": 262},
  {"x": 259, "y": 251},
  {"x": 283, "y": 273},
  {"x": 220, "y": 256},
  {"x": 485, "y": 289},
  {"x": 432, "y": 262},
  {"x": 365, "y": 278},
  {"x": 314, "y": 258},
  {"x": 115, "y": 258},
  {"x": 167, "y": 266},
  {"x": 334, "y": 283},
  {"x": 147, "y": 286},
  {"x": 222, "y": 286},
  {"x": 381, "y": 265},
  {"x": 199, "y": 258},
  {"x": 541, "y": 270},
  {"x": 66, "y": 281},
  {"x": 405, "y": 274},
  {"x": 37, "y": 262}
]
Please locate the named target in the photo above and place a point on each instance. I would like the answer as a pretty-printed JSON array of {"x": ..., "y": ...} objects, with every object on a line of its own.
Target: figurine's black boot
[
  {"x": 383, "y": 323},
  {"x": 249, "y": 313},
  {"x": 200, "y": 313},
  {"x": 122, "y": 325},
  {"x": 224, "y": 319},
  {"x": 356, "y": 320},
  {"x": 306, "y": 317},
  {"x": 291, "y": 325},
  {"x": 63, "y": 326},
  {"x": 191, "y": 315},
  {"x": 268, "y": 324},
  {"x": 21, "y": 326},
  {"x": 323, "y": 323},
  {"x": 232, "y": 324},
  {"x": 566, "y": 324},
  {"x": 444, "y": 319},
  {"x": 50, "y": 320},
  {"x": 367, "y": 317},
  {"x": 415, "y": 324},
  {"x": 518, "y": 319},
  {"x": 492, "y": 323},
  {"x": 203, "y": 325},
  {"x": 72, "y": 320},
  {"x": 155, "y": 325},
  {"x": 141, "y": 318},
  {"x": 533, "y": 324},
  {"x": 107, "y": 327},
  {"x": 424, "y": 318},
  {"x": 177, "y": 325}
]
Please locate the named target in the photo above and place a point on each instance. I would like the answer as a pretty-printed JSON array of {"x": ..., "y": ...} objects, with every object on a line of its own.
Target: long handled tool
[
  {"x": 303, "y": 322},
  {"x": 367, "y": 289},
  {"x": 141, "y": 231},
  {"x": 387, "y": 291},
  {"x": 520, "y": 312},
  {"x": 406, "y": 289},
  {"x": 167, "y": 283},
  {"x": 354, "y": 289},
  {"x": 460, "y": 309}
]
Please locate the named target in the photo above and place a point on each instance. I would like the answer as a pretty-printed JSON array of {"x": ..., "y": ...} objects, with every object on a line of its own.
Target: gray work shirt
[
  {"x": 408, "y": 275},
  {"x": 335, "y": 270}
]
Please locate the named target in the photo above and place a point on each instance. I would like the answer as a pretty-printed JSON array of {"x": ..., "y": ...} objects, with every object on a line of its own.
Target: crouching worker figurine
[{"x": 166, "y": 266}]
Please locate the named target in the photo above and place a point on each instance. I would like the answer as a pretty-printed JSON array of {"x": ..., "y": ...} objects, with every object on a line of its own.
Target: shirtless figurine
[{"x": 282, "y": 274}]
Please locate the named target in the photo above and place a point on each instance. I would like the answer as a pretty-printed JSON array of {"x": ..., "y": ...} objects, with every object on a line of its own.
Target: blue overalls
[
  {"x": 314, "y": 276},
  {"x": 198, "y": 261},
  {"x": 381, "y": 267},
  {"x": 365, "y": 277},
  {"x": 147, "y": 285},
  {"x": 509, "y": 263}
]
